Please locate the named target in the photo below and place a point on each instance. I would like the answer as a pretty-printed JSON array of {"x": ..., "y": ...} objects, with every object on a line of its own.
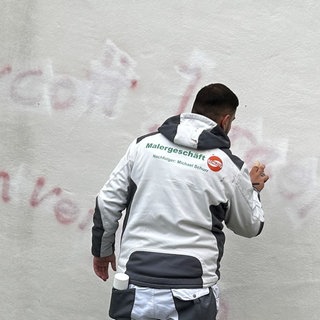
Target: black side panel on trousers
[
  {"x": 121, "y": 304},
  {"x": 203, "y": 308}
]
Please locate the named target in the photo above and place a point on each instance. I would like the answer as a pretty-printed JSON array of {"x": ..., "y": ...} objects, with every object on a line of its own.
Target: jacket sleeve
[
  {"x": 245, "y": 215},
  {"x": 110, "y": 202}
]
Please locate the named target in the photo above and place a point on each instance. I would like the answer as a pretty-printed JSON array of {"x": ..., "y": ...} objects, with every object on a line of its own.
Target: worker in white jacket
[{"x": 178, "y": 187}]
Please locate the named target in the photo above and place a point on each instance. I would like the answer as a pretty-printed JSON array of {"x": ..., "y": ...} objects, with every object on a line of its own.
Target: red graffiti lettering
[
  {"x": 24, "y": 87},
  {"x": 134, "y": 83},
  {"x": 35, "y": 200},
  {"x": 66, "y": 211},
  {"x": 63, "y": 94},
  {"x": 107, "y": 80},
  {"x": 238, "y": 133},
  {"x": 196, "y": 76},
  {"x": 5, "y": 186},
  {"x": 5, "y": 70}
]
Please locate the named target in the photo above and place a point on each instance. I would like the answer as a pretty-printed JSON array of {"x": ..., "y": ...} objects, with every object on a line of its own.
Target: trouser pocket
[
  {"x": 121, "y": 303},
  {"x": 204, "y": 308}
]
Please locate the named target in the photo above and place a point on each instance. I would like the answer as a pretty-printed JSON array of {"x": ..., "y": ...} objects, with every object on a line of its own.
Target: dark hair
[{"x": 215, "y": 100}]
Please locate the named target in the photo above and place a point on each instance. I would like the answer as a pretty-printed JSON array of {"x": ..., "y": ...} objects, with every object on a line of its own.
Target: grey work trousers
[{"x": 139, "y": 303}]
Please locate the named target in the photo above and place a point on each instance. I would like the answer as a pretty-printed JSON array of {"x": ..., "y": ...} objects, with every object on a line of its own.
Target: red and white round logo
[{"x": 215, "y": 163}]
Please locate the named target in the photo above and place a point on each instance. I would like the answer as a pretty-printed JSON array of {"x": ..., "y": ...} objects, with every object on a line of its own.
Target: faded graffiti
[
  {"x": 299, "y": 190},
  {"x": 295, "y": 184},
  {"x": 102, "y": 90},
  {"x": 191, "y": 71},
  {"x": 5, "y": 186},
  {"x": 35, "y": 199},
  {"x": 108, "y": 77},
  {"x": 65, "y": 210},
  {"x": 5, "y": 70},
  {"x": 39, "y": 88}
]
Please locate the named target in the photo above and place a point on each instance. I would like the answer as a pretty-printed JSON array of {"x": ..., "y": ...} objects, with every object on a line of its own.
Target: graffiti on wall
[
  {"x": 294, "y": 183},
  {"x": 191, "y": 71},
  {"x": 39, "y": 89},
  {"x": 65, "y": 210},
  {"x": 296, "y": 186},
  {"x": 106, "y": 82}
]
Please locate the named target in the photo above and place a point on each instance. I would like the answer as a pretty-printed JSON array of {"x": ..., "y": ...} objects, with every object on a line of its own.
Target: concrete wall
[{"x": 80, "y": 79}]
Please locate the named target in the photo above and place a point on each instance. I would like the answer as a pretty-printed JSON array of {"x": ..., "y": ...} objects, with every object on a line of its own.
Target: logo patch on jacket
[{"x": 215, "y": 163}]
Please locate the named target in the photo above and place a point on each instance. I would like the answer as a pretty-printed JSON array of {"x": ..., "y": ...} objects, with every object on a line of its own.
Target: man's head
[{"x": 218, "y": 103}]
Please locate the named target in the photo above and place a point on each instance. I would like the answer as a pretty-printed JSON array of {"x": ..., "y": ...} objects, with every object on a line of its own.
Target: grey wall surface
[{"x": 79, "y": 80}]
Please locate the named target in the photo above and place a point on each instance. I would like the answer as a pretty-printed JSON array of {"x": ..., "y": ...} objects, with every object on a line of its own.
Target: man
[{"x": 178, "y": 185}]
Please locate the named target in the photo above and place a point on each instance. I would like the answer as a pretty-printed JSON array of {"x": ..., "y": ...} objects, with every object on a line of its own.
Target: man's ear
[{"x": 224, "y": 121}]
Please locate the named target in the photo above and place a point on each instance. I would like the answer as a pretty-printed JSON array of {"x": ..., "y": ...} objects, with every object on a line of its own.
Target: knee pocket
[
  {"x": 121, "y": 303},
  {"x": 204, "y": 308}
]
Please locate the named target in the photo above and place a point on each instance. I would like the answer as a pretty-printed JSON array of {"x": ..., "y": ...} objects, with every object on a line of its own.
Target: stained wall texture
[{"x": 80, "y": 79}]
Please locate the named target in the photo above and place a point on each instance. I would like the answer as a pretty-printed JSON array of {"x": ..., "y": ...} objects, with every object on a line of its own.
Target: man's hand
[
  {"x": 258, "y": 177},
  {"x": 101, "y": 266}
]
